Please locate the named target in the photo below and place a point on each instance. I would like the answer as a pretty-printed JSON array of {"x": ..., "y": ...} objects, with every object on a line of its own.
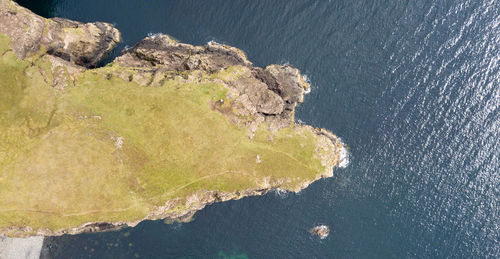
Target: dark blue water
[{"x": 413, "y": 87}]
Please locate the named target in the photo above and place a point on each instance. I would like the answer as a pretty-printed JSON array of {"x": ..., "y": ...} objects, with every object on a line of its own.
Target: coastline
[{"x": 150, "y": 63}]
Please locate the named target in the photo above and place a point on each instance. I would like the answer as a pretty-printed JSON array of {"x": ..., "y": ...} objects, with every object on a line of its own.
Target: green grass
[{"x": 107, "y": 149}]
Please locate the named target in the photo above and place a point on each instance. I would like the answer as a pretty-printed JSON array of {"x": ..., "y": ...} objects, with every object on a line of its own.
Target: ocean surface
[{"x": 411, "y": 86}]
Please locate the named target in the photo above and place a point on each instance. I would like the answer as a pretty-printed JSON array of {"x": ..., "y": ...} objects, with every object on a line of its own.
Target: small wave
[
  {"x": 281, "y": 193},
  {"x": 284, "y": 62},
  {"x": 154, "y": 34}
]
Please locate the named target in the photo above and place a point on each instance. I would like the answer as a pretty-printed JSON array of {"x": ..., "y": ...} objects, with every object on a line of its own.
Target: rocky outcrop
[
  {"x": 265, "y": 94},
  {"x": 321, "y": 231},
  {"x": 83, "y": 44}
]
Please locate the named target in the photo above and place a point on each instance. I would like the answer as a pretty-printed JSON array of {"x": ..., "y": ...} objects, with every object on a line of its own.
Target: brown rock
[
  {"x": 162, "y": 50},
  {"x": 320, "y": 231},
  {"x": 82, "y": 44},
  {"x": 289, "y": 83},
  {"x": 265, "y": 100}
]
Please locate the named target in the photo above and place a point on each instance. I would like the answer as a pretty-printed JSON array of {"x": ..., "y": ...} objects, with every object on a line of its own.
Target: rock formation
[{"x": 82, "y": 44}]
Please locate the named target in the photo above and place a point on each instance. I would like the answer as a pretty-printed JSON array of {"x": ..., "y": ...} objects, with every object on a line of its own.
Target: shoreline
[{"x": 78, "y": 47}]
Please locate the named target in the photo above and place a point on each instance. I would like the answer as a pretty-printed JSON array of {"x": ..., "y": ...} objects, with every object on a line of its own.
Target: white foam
[
  {"x": 344, "y": 157},
  {"x": 307, "y": 91},
  {"x": 308, "y": 81},
  {"x": 211, "y": 42},
  {"x": 285, "y": 62},
  {"x": 154, "y": 34}
]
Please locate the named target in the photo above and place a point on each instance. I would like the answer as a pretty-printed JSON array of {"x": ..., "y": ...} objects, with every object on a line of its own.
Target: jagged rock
[
  {"x": 162, "y": 50},
  {"x": 82, "y": 44}
]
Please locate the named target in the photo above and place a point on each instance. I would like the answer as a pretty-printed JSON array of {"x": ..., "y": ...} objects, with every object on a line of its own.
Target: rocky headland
[{"x": 159, "y": 133}]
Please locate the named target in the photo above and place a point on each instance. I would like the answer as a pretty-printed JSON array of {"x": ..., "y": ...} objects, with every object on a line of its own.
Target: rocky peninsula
[{"x": 159, "y": 133}]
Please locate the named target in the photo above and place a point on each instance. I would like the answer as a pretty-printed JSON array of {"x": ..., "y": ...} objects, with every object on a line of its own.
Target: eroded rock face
[
  {"x": 83, "y": 44},
  {"x": 270, "y": 94}
]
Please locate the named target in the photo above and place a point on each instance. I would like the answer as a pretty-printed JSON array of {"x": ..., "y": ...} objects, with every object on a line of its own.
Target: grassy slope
[{"x": 107, "y": 149}]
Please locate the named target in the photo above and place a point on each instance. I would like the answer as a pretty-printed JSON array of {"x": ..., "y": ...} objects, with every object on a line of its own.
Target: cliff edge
[{"x": 159, "y": 133}]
